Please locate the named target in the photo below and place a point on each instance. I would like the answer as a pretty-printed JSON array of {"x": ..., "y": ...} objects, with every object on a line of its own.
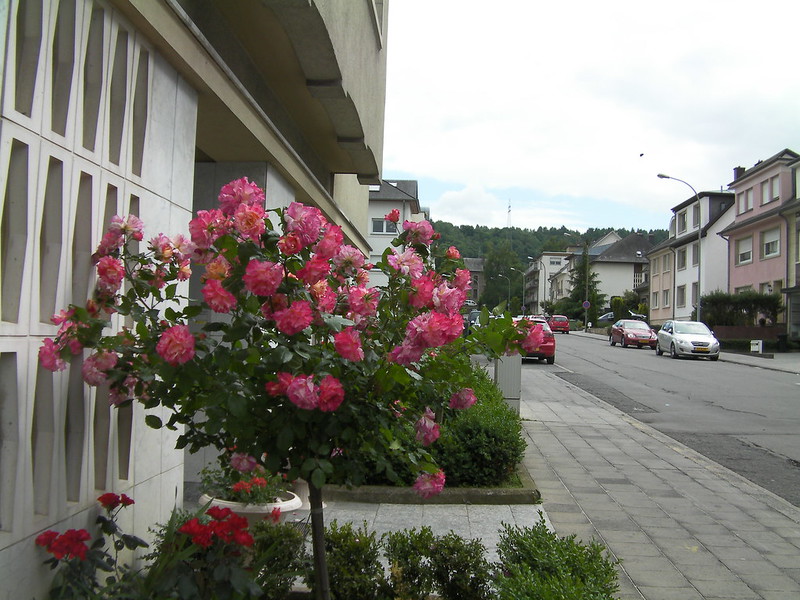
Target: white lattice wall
[{"x": 94, "y": 123}]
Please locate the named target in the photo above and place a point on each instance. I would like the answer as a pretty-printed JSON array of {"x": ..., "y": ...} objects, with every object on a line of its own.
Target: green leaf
[
  {"x": 153, "y": 421},
  {"x": 237, "y": 405},
  {"x": 285, "y": 438},
  {"x": 318, "y": 478}
]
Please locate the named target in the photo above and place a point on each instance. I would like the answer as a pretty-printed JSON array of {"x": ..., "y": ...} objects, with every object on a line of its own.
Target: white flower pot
[{"x": 256, "y": 512}]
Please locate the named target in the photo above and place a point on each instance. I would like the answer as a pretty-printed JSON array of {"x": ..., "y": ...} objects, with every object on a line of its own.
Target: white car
[{"x": 687, "y": 338}]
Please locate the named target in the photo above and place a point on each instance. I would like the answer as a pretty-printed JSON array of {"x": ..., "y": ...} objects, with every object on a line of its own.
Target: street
[{"x": 745, "y": 418}]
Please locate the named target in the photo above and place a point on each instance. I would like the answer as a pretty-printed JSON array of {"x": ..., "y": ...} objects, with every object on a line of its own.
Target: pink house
[{"x": 757, "y": 238}]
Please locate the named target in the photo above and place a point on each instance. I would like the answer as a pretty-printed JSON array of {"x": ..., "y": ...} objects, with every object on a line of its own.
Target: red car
[
  {"x": 559, "y": 323},
  {"x": 547, "y": 349},
  {"x": 630, "y": 332}
]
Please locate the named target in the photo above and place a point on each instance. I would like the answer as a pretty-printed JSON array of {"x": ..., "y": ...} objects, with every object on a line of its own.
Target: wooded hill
[{"x": 477, "y": 241}]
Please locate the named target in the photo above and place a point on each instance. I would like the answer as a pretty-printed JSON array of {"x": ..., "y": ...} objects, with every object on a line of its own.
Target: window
[
  {"x": 744, "y": 251},
  {"x": 666, "y": 298},
  {"x": 655, "y": 300},
  {"x": 555, "y": 262},
  {"x": 770, "y": 190},
  {"x": 765, "y": 288},
  {"x": 770, "y": 243},
  {"x": 695, "y": 254},
  {"x": 682, "y": 222},
  {"x": 666, "y": 263},
  {"x": 744, "y": 288},
  {"x": 680, "y": 295},
  {"x": 696, "y": 216},
  {"x": 746, "y": 200},
  {"x": 681, "y": 259},
  {"x": 694, "y": 294},
  {"x": 383, "y": 226}
]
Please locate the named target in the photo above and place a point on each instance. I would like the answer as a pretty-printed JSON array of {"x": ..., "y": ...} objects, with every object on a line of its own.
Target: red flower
[
  {"x": 219, "y": 513},
  {"x": 109, "y": 501},
  {"x": 46, "y": 538}
]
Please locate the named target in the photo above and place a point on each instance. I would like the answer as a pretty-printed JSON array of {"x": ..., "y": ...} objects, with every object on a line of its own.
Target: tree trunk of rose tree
[{"x": 321, "y": 586}]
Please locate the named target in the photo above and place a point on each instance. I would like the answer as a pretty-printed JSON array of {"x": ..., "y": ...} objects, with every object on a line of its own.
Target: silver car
[{"x": 687, "y": 338}]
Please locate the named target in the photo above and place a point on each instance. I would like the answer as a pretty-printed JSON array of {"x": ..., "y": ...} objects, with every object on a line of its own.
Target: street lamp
[
  {"x": 586, "y": 301},
  {"x": 699, "y": 234},
  {"x": 523, "y": 287},
  {"x": 508, "y": 303}
]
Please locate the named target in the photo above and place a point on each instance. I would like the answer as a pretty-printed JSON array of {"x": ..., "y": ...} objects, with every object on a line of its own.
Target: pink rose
[
  {"x": 96, "y": 366},
  {"x": 452, "y": 252},
  {"x": 419, "y": 232},
  {"x": 290, "y": 244},
  {"x": 176, "y": 345},
  {"x": 306, "y": 222},
  {"x": 217, "y": 297},
  {"x": 314, "y": 270},
  {"x": 462, "y": 399},
  {"x": 427, "y": 428},
  {"x": 295, "y": 318},
  {"x": 50, "y": 356},
  {"x": 462, "y": 280},
  {"x": 249, "y": 221},
  {"x": 331, "y": 393},
  {"x": 393, "y": 216},
  {"x": 110, "y": 273},
  {"x": 279, "y": 387},
  {"x": 349, "y": 259},
  {"x": 429, "y": 484},
  {"x": 238, "y": 192},
  {"x": 207, "y": 227},
  {"x": 244, "y": 463},
  {"x": 303, "y": 393},
  {"x": 348, "y": 344},
  {"x": 262, "y": 278},
  {"x": 330, "y": 243},
  {"x": 407, "y": 263},
  {"x": 421, "y": 295}
]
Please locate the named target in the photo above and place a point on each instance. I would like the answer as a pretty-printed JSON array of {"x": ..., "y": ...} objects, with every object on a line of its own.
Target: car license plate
[{"x": 701, "y": 349}]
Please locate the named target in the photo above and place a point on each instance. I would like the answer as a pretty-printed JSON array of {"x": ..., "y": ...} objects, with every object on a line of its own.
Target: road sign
[{"x": 586, "y": 304}]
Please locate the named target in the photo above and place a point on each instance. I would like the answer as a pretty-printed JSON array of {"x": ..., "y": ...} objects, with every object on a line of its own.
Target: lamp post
[
  {"x": 586, "y": 266},
  {"x": 508, "y": 302},
  {"x": 699, "y": 234},
  {"x": 523, "y": 288}
]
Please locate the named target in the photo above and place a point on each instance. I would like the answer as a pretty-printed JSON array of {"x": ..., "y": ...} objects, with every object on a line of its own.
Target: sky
[{"x": 567, "y": 111}]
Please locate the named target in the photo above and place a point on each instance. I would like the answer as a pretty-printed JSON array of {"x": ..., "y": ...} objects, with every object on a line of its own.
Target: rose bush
[{"x": 288, "y": 353}]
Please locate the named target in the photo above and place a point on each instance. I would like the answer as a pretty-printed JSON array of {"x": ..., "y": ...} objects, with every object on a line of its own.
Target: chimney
[{"x": 738, "y": 172}]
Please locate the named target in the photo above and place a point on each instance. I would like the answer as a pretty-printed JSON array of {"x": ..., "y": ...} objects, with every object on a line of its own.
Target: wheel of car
[
  {"x": 551, "y": 359},
  {"x": 611, "y": 341},
  {"x": 715, "y": 358},
  {"x": 623, "y": 343},
  {"x": 659, "y": 351},
  {"x": 672, "y": 352}
]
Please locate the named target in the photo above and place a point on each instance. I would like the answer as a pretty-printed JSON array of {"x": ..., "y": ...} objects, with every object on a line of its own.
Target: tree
[
  {"x": 579, "y": 281},
  {"x": 503, "y": 271}
]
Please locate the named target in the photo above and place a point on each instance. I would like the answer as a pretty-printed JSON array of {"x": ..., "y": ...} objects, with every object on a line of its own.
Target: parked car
[
  {"x": 687, "y": 338},
  {"x": 559, "y": 323},
  {"x": 606, "y": 319},
  {"x": 632, "y": 332},
  {"x": 547, "y": 349}
]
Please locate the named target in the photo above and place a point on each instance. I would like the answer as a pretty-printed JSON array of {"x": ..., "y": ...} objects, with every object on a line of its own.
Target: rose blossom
[
  {"x": 348, "y": 259},
  {"x": 279, "y": 387},
  {"x": 244, "y": 463},
  {"x": 176, "y": 345},
  {"x": 207, "y": 227},
  {"x": 217, "y": 297},
  {"x": 348, "y": 344},
  {"x": 448, "y": 299},
  {"x": 295, "y": 318},
  {"x": 110, "y": 272},
  {"x": 262, "y": 278},
  {"x": 306, "y": 222},
  {"x": 363, "y": 301},
  {"x": 303, "y": 393},
  {"x": 428, "y": 485},
  {"x": 420, "y": 232},
  {"x": 452, "y": 252},
  {"x": 249, "y": 221},
  {"x": 315, "y": 269},
  {"x": 331, "y": 393},
  {"x": 238, "y": 192},
  {"x": 462, "y": 279},
  {"x": 124, "y": 225},
  {"x": 393, "y": 215},
  {"x": 463, "y": 398},
  {"x": 331, "y": 241},
  {"x": 50, "y": 356},
  {"x": 407, "y": 262},
  {"x": 96, "y": 365},
  {"x": 421, "y": 295},
  {"x": 427, "y": 428}
]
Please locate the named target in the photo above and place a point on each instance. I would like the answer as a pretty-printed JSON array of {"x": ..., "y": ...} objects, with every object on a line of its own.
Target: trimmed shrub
[
  {"x": 460, "y": 569},
  {"x": 354, "y": 568},
  {"x": 483, "y": 445},
  {"x": 407, "y": 553},
  {"x": 281, "y": 548}
]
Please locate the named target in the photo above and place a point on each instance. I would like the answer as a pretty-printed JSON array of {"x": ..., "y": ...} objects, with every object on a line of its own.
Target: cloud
[{"x": 581, "y": 104}]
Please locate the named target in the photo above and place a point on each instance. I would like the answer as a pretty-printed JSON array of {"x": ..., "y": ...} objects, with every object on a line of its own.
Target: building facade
[
  {"x": 129, "y": 107},
  {"x": 758, "y": 238}
]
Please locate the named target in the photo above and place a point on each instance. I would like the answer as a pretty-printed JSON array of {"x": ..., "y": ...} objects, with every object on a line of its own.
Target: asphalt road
[{"x": 744, "y": 418}]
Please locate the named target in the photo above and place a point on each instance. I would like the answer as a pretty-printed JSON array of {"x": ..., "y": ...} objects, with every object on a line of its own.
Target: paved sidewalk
[{"x": 685, "y": 527}]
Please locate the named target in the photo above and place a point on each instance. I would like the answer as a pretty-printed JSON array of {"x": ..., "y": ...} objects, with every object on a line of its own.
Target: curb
[{"x": 377, "y": 494}]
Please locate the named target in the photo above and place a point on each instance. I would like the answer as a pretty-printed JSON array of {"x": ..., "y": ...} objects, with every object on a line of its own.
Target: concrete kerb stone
[{"x": 379, "y": 494}]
